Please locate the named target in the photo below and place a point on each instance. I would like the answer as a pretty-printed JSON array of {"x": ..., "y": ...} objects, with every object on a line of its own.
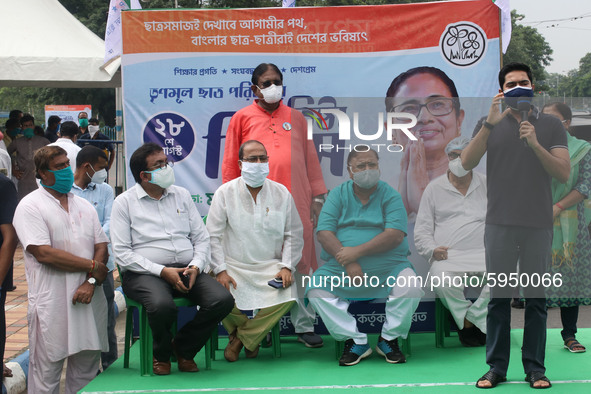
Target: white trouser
[
  {"x": 400, "y": 306},
  {"x": 302, "y": 316},
  {"x": 451, "y": 293},
  {"x": 44, "y": 375}
]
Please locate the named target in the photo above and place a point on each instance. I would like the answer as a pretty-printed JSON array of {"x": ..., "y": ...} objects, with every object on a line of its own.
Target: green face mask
[
  {"x": 83, "y": 122},
  {"x": 28, "y": 133},
  {"x": 64, "y": 179}
]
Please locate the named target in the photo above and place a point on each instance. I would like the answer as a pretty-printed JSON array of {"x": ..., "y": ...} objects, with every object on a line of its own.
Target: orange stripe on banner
[
  {"x": 66, "y": 107},
  {"x": 302, "y": 30}
]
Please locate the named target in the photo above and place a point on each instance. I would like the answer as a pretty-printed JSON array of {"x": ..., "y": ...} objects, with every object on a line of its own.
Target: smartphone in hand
[
  {"x": 185, "y": 280},
  {"x": 276, "y": 283}
]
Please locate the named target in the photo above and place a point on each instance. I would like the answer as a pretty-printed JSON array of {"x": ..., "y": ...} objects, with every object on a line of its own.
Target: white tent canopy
[{"x": 43, "y": 45}]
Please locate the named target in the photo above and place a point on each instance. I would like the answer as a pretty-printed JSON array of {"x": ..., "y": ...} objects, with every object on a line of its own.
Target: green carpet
[{"x": 453, "y": 369}]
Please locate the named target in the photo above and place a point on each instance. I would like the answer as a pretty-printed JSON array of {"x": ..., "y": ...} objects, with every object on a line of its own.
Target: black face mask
[{"x": 518, "y": 94}]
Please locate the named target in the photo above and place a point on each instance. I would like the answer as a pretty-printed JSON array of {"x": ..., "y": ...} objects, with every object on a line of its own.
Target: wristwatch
[
  {"x": 489, "y": 126},
  {"x": 92, "y": 281}
]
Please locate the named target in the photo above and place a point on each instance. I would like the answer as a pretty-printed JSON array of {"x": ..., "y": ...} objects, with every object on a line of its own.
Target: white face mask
[
  {"x": 99, "y": 176},
  {"x": 254, "y": 174},
  {"x": 366, "y": 179},
  {"x": 92, "y": 130},
  {"x": 455, "y": 166},
  {"x": 272, "y": 94},
  {"x": 163, "y": 177}
]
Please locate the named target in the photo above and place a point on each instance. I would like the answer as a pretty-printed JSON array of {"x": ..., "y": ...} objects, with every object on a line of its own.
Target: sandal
[
  {"x": 536, "y": 376},
  {"x": 491, "y": 377},
  {"x": 573, "y": 345}
]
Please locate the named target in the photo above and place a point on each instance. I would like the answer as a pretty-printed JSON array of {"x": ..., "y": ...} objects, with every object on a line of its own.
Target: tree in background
[
  {"x": 528, "y": 46},
  {"x": 581, "y": 78}
]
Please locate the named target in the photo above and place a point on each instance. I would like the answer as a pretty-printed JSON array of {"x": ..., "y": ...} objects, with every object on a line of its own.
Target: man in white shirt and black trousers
[{"x": 161, "y": 245}]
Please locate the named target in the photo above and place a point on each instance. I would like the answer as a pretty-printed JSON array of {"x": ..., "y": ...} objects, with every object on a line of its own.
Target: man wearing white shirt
[
  {"x": 65, "y": 254},
  {"x": 89, "y": 183},
  {"x": 449, "y": 233},
  {"x": 67, "y": 141},
  {"x": 161, "y": 244},
  {"x": 256, "y": 235}
]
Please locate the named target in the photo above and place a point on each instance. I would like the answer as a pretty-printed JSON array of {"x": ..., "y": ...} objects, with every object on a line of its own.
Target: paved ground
[{"x": 16, "y": 315}]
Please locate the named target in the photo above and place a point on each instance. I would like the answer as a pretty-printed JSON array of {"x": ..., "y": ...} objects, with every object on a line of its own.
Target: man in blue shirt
[
  {"x": 89, "y": 177},
  {"x": 94, "y": 137}
]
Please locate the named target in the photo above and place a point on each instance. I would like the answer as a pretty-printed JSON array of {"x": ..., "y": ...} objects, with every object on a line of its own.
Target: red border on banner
[{"x": 351, "y": 29}]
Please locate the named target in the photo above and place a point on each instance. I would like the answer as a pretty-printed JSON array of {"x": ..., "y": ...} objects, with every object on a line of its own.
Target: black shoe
[
  {"x": 391, "y": 351},
  {"x": 480, "y": 336},
  {"x": 310, "y": 339},
  {"x": 469, "y": 337},
  {"x": 353, "y": 353}
]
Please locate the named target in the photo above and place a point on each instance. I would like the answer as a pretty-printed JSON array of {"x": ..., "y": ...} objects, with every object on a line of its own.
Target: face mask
[
  {"x": 92, "y": 129},
  {"x": 83, "y": 122},
  {"x": 519, "y": 93},
  {"x": 254, "y": 174},
  {"x": 366, "y": 179},
  {"x": 272, "y": 94},
  {"x": 163, "y": 177},
  {"x": 28, "y": 133},
  {"x": 455, "y": 166},
  {"x": 14, "y": 132},
  {"x": 99, "y": 176},
  {"x": 64, "y": 179}
]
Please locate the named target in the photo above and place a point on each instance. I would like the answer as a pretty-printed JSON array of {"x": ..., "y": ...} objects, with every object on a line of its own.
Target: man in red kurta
[{"x": 293, "y": 162}]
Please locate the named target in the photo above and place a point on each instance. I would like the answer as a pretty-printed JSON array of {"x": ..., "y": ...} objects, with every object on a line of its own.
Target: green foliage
[
  {"x": 25, "y": 99},
  {"x": 92, "y": 13},
  {"x": 581, "y": 78},
  {"x": 528, "y": 46}
]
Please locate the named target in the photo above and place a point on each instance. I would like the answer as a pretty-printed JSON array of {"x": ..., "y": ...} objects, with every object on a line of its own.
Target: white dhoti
[
  {"x": 450, "y": 290},
  {"x": 400, "y": 306}
]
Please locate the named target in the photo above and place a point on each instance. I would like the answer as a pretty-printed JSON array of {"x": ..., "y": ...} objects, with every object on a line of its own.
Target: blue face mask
[
  {"x": 64, "y": 179},
  {"x": 518, "y": 94}
]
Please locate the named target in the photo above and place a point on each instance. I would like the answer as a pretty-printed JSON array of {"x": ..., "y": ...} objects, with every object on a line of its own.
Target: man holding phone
[
  {"x": 256, "y": 242},
  {"x": 161, "y": 245},
  {"x": 519, "y": 216}
]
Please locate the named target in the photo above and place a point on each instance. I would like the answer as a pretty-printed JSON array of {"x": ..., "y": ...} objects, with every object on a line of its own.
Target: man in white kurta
[
  {"x": 64, "y": 246},
  {"x": 449, "y": 233},
  {"x": 256, "y": 235}
]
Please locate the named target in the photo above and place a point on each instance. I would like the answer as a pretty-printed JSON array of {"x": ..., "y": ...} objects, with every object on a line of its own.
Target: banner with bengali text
[{"x": 186, "y": 72}]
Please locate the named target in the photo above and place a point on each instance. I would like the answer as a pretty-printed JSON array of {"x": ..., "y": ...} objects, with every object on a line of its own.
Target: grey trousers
[
  {"x": 156, "y": 295},
  {"x": 505, "y": 246},
  {"x": 108, "y": 358}
]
